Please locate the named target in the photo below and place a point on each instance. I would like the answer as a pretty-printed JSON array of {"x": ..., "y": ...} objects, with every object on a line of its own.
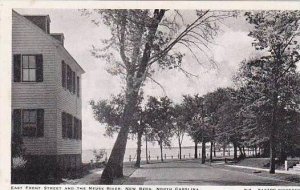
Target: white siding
[
  {"x": 49, "y": 94},
  {"x": 26, "y": 40},
  {"x": 69, "y": 103}
]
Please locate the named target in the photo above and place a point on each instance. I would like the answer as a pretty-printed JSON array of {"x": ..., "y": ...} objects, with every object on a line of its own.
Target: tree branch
[{"x": 161, "y": 86}]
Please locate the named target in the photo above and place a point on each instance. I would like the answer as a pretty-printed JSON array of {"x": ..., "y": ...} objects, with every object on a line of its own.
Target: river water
[{"x": 130, "y": 154}]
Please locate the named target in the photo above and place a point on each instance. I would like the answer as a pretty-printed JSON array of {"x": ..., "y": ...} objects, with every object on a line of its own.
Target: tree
[
  {"x": 142, "y": 39},
  {"x": 109, "y": 112},
  {"x": 271, "y": 76},
  {"x": 159, "y": 119},
  {"x": 180, "y": 125},
  {"x": 212, "y": 102},
  {"x": 228, "y": 128},
  {"x": 195, "y": 117}
]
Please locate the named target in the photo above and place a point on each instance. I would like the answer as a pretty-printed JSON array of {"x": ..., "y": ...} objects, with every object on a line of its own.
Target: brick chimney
[
  {"x": 42, "y": 21},
  {"x": 59, "y": 36}
]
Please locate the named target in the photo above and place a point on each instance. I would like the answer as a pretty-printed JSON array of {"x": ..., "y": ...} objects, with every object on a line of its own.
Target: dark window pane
[
  {"x": 29, "y": 125},
  {"x": 29, "y": 131}
]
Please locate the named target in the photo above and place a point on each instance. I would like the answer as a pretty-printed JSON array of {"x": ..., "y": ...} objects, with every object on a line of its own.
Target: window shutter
[
  {"x": 78, "y": 86},
  {"x": 74, "y": 82},
  {"x": 63, "y": 74},
  {"x": 80, "y": 129},
  {"x": 64, "y": 124},
  {"x": 40, "y": 123},
  {"x": 17, "y": 67},
  {"x": 39, "y": 68},
  {"x": 69, "y": 78},
  {"x": 17, "y": 122}
]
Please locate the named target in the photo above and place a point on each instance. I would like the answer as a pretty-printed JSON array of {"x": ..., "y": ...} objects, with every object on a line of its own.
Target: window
[
  {"x": 28, "y": 68},
  {"x": 71, "y": 126},
  {"x": 29, "y": 122},
  {"x": 68, "y": 78}
]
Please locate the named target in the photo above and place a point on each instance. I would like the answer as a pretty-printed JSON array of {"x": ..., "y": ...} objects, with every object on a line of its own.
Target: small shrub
[
  {"x": 18, "y": 162},
  {"x": 99, "y": 154}
]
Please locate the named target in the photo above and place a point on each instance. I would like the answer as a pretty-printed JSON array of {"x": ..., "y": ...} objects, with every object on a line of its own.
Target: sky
[{"x": 232, "y": 46}]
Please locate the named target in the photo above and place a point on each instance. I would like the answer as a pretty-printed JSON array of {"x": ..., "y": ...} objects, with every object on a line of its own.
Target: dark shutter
[
  {"x": 69, "y": 126},
  {"x": 80, "y": 129},
  {"x": 75, "y": 128},
  {"x": 74, "y": 82},
  {"x": 16, "y": 139},
  {"x": 64, "y": 124},
  {"x": 17, "y": 67},
  {"x": 39, "y": 68},
  {"x": 78, "y": 86},
  {"x": 69, "y": 78},
  {"x": 17, "y": 122},
  {"x": 63, "y": 74},
  {"x": 40, "y": 122}
]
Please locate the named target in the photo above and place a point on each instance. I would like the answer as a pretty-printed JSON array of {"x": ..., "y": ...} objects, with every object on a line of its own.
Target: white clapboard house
[{"x": 46, "y": 95}]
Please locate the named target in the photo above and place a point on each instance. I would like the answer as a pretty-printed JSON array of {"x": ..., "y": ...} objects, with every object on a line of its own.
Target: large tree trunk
[
  {"x": 203, "y": 152},
  {"x": 196, "y": 150},
  {"x": 234, "y": 151},
  {"x": 161, "y": 151},
  {"x": 211, "y": 152},
  {"x": 241, "y": 152},
  {"x": 138, "y": 150},
  {"x": 135, "y": 78},
  {"x": 272, "y": 156},
  {"x": 244, "y": 152},
  {"x": 114, "y": 167},
  {"x": 272, "y": 134},
  {"x": 215, "y": 150},
  {"x": 179, "y": 148},
  {"x": 147, "y": 159}
]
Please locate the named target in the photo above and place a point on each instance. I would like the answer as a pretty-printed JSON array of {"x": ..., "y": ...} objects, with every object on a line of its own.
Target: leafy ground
[
  {"x": 262, "y": 163},
  {"x": 93, "y": 177},
  {"x": 258, "y": 163}
]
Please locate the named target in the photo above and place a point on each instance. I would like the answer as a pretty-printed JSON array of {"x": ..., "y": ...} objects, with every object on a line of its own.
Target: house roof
[{"x": 51, "y": 38}]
